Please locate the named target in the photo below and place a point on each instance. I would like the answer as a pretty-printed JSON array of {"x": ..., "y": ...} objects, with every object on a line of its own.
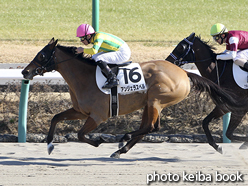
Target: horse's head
[
  {"x": 42, "y": 61},
  {"x": 183, "y": 53}
]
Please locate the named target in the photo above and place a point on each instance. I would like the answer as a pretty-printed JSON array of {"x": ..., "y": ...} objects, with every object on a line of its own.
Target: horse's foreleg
[
  {"x": 89, "y": 125},
  {"x": 69, "y": 114},
  {"x": 233, "y": 124},
  {"x": 216, "y": 113}
]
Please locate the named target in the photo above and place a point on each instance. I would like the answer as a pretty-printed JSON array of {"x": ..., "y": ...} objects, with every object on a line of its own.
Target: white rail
[
  {"x": 8, "y": 75},
  {"x": 15, "y": 74}
]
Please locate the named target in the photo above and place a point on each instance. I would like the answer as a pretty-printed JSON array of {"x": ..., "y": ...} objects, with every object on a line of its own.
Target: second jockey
[{"x": 236, "y": 44}]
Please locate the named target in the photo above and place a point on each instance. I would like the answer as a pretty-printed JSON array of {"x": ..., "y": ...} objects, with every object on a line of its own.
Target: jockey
[
  {"x": 106, "y": 49},
  {"x": 236, "y": 44}
]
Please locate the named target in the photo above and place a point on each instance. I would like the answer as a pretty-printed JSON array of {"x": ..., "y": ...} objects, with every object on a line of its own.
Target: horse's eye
[
  {"x": 181, "y": 48},
  {"x": 184, "y": 47},
  {"x": 42, "y": 57}
]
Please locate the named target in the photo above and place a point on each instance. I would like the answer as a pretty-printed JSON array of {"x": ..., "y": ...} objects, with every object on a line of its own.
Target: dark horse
[
  {"x": 193, "y": 50},
  {"x": 166, "y": 83}
]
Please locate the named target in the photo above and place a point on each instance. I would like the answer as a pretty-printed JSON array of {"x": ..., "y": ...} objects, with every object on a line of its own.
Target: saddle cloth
[
  {"x": 130, "y": 77},
  {"x": 240, "y": 76}
]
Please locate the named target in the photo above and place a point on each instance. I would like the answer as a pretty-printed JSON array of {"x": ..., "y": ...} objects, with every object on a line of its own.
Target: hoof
[
  {"x": 115, "y": 155},
  {"x": 50, "y": 148},
  {"x": 243, "y": 146},
  {"x": 104, "y": 138},
  {"x": 219, "y": 149}
]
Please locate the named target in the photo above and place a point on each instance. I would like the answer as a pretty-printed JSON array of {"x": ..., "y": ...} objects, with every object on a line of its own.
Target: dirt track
[{"x": 78, "y": 164}]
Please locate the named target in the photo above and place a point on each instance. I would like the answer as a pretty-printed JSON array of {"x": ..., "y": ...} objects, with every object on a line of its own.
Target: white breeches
[
  {"x": 116, "y": 57},
  {"x": 241, "y": 58}
]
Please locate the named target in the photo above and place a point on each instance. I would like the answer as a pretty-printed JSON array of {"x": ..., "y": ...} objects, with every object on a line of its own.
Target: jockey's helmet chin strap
[
  {"x": 222, "y": 39},
  {"x": 88, "y": 40}
]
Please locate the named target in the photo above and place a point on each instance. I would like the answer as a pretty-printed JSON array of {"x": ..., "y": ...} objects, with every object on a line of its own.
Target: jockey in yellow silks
[{"x": 107, "y": 48}]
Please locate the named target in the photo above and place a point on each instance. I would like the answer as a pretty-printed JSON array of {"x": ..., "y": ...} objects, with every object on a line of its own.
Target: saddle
[
  {"x": 240, "y": 76},
  {"x": 244, "y": 69},
  {"x": 115, "y": 67}
]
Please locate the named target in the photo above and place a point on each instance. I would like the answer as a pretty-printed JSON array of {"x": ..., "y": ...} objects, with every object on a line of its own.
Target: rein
[
  {"x": 41, "y": 69},
  {"x": 179, "y": 60},
  {"x": 217, "y": 71}
]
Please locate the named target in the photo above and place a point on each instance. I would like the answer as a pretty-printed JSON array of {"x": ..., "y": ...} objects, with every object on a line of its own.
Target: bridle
[
  {"x": 50, "y": 64},
  {"x": 47, "y": 67},
  {"x": 179, "y": 59}
]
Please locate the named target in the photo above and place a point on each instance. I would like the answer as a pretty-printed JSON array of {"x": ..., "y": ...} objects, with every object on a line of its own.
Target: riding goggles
[
  {"x": 217, "y": 37},
  {"x": 83, "y": 38}
]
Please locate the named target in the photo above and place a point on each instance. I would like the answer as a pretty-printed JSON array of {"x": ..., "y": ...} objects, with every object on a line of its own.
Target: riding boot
[
  {"x": 112, "y": 80},
  {"x": 246, "y": 66}
]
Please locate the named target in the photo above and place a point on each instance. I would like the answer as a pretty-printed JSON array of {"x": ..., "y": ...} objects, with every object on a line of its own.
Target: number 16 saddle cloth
[
  {"x": 130, "y": 77},
  {"x": 131, "y": 80}
]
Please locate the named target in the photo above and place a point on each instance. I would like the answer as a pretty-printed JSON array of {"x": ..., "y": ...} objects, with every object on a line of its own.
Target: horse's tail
[{"x": 223, "y": 98}]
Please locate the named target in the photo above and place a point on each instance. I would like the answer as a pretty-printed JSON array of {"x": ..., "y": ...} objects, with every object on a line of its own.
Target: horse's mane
[
  {"x": 72, "y": 51},
  {"x": 210, "y": 47}
]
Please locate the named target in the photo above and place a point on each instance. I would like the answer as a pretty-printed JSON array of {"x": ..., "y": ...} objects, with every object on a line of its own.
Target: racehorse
[
  {"x": 166, "y": 83},
  {"x": 193, "y": 50}
]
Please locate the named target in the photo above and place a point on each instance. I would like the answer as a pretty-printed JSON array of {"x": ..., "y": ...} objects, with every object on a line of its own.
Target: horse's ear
[
  {"x": 191, "y": 36},
  {"x": 55, "y": 43},
  {"x": 52, "y": 41}
]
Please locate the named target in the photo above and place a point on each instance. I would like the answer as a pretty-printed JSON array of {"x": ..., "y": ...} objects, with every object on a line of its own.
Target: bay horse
[
  {"x": 167, "y": 85},
  {"x": 193, "y": 50}
]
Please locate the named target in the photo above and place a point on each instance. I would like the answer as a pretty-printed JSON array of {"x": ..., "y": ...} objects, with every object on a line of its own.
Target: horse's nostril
[{"x": 24, "y": 72}]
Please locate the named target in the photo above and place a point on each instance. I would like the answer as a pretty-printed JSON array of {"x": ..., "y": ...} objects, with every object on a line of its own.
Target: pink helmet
[{"x": 85, "y": 29}]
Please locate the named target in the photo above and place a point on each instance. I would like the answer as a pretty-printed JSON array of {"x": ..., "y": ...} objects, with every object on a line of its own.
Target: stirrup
[{"x": 111, "y": 83}]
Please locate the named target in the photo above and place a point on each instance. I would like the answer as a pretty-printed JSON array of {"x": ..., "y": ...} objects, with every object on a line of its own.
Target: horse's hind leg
[
  {"x": 127, "y": 147},
  {"x": 216, "y": 113},
  {"x": 70, "y": 114},
  {"x": 128, "y": 136},
  {"x": 233, "y": 124},
  {"x": 149, "y": 119},
  {"x": 157, "y": 126},
  {"x": 134, "y": 140}
]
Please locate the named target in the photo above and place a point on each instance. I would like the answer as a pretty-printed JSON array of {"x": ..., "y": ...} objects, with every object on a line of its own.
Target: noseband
[
  {"x": 50, "y": 64},
  {"x": 47, "y": 67},
  {"x": 179, "y": 60}
]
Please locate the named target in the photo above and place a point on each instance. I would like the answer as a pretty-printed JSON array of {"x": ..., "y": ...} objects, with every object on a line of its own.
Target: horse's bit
[
  {"x": 179, "y": 60},
  {"x": 41, "y": 69}
]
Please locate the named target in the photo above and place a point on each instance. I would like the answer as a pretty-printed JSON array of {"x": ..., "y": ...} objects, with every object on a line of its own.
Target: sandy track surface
[{"x": 80, "y": 164}]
